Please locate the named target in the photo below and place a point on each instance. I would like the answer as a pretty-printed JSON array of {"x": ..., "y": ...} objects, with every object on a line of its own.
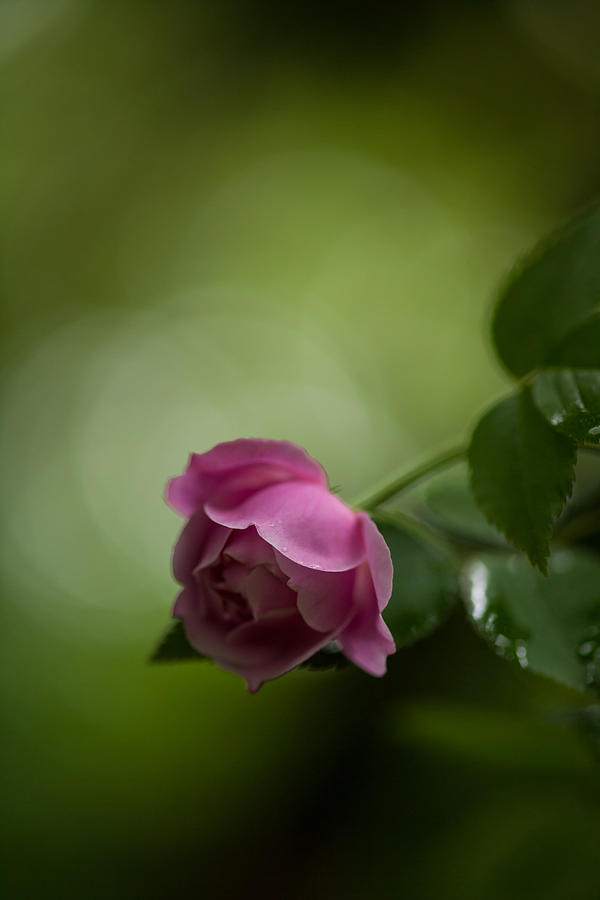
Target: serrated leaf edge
[{"x": 546, "y": 534}]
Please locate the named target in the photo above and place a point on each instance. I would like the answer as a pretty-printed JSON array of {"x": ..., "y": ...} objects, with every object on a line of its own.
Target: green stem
[{"x": 398, "y": 483}]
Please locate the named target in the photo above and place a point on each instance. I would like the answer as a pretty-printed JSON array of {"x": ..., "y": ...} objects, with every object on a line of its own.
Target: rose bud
[{"x": 273, "y": 566}]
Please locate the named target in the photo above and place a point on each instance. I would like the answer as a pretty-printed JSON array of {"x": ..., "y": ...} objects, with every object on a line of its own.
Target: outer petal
[
  {"x": 242, "y": 452},
  {"x": 186, "y": 493},
  {"x": 305, "y": 522},
  {"x": 205, "y": 632},
  {"x": 252, "y": 463},
  {"x": 380, "y": 560},
  {"x": 271, "y": 646},
  {"x": 325, "y": 599},
  {"x": 367, "y": 640},
  {"x": 198, "y": 545}
]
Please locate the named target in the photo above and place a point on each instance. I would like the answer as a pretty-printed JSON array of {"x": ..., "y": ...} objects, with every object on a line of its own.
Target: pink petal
[
  {"x": 380, "y": 560},
  {"x": 266, "y": 593},
  {"x": 233, "y": 576},
  {"x": 325, "y": 599},
  {"x": 306, "y": 523},
  {"x": 247, "y": 464},
  {"x": 205, "y": 632},
  {"x": 244, "y": 451},
  {"x": 186, "y": 493},
  {"x": 198, "y": 545},
  {"x": 271, "y": 646},
  {"x": 367, "y": 640},
  {"x": 248, "y": 547}
]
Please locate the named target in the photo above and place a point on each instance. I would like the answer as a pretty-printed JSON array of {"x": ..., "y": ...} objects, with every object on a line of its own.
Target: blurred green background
[{"x": 239, "y": 218}]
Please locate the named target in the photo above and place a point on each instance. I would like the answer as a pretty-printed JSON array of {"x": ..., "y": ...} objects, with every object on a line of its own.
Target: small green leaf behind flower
[
  {"x": 425, "y": 587},
  {"x": 327, "y": 658},
  {"x": 175, "y": 647}
]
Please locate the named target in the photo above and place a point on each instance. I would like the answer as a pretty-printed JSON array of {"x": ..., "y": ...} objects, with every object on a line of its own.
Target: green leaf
[
  {"x": 328, "y": 657},
  {"x": 569, "y": 400},
  {"x": 551, "y": 293},
  {"x": 449, "y": 505},
  {"x": 425, "y": 588},
  {"x": 581, "y": 347},
  {"x": 521, "y": 473},
  {"x": 175, "y": 647},
  {"x": 550, "y": 625}
]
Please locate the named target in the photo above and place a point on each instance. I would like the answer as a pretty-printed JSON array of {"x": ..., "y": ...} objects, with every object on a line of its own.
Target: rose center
[{"x": 226, "y": 579}]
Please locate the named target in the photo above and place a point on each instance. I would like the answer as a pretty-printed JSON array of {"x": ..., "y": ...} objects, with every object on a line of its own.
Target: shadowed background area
[{"x": 241, "y": 218}]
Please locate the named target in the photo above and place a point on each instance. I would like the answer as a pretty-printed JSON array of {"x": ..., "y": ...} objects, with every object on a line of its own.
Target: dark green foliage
[
  {"x": 550, "y": 625},
  {"x": 521, "y": 473},
  {"x": 449, "y": 505},
  {"x": 175, "y": 647},
  {"x": 581, "y": 347},
  {"x": 329, "y": 657},
  {"x": 548, "y": 297},
  {"x": 569, "y": 400},
  {"x": 424, "y": 585},
  {"x": 424, "y": 592}
]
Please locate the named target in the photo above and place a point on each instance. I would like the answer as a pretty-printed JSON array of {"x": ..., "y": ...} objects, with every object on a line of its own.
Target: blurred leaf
[
  {"x": 328, "y": 657},
  {"x": 580, "y": 519},
  {"x": 554, "y": 289},
  {"x": 569, "y": 400},
  {"x": 175, "y": 647},
  {"x": 424, "y": 588},
  {"x": 581, "y": 347},
  {"x": 492, "y": 736},
  {"x": 585, "y": 721},
  {"x": 588, "y": 723},
  {"x": 550, "y": 625},
  {"x": 580, "y": 523},
  {"x": 521, "y": 473},
  {"x": 586, "y": 491},
  {"x": 450, "y": 506}
]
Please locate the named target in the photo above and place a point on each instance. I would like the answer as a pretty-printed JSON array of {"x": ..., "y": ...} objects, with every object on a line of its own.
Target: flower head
[{"x": 273, "y": 566}]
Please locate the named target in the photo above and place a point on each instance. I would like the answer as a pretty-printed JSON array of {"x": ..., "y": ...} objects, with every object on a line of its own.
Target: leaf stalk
[{"x": 401, "y": 482}]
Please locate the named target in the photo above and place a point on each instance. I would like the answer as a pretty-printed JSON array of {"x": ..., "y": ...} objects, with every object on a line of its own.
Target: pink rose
[{"x": 274, "y": 566}]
